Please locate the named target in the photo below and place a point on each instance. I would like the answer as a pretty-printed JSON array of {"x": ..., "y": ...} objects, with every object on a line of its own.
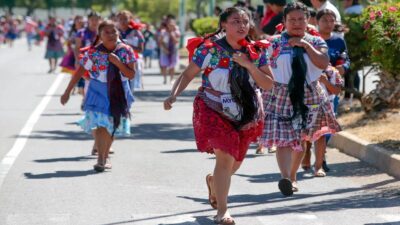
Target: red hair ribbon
[
  {"x": 313, "y": 31},
  {"x": 195, "y": 42},
  {"x": 279, "y": 28},
  {"x": 136, "y": 26},
  {"x": 250, "y": 46}
]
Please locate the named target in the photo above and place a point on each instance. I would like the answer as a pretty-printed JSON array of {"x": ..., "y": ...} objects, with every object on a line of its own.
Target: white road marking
[
  {"x": 300, "y": 218},
  {"x": 165, "y": 219},
  {"x": 24, "y": 134}
]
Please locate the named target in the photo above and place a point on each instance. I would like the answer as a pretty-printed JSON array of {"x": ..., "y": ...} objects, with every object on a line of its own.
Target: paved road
[{"x": 157, "y": 176}]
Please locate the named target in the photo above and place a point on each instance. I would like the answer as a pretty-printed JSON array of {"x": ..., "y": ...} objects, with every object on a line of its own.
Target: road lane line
[{"x": 24, "y": 134}]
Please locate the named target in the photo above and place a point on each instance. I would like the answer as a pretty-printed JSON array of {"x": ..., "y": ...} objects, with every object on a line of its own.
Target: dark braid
[{"x": 241, "y": 89}]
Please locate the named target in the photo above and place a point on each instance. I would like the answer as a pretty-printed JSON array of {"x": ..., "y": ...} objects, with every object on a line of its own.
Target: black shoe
[
  {"x": 325, "y": 166},
  {"x": 99, "y": 168},
  {"x": 285, "y": 186}
]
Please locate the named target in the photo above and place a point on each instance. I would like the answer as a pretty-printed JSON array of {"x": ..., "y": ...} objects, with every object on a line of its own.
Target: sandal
[
  {"x": 286, "y": 187},
  {"x": 224, "y": 221},
  {"x": 108, "y": 165},
  {"x": 272, "y": 149},
  {"x": 211, "y": 199},
  {"x": 295, "y": 188},
  {"x": 320, "y": 173},
  {"x": 325, "y": 166},
  {"x": 260, "y": 150}
]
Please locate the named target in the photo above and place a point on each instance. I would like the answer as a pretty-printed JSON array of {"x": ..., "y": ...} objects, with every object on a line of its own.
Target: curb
[{"x": 367, "y": 152}]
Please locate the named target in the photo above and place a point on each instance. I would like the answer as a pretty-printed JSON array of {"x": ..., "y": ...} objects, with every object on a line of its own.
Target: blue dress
[{"x": 97, "y": 102}]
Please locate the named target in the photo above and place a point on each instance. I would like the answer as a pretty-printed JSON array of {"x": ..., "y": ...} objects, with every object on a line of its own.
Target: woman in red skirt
[{"x": 228, "y": 113}]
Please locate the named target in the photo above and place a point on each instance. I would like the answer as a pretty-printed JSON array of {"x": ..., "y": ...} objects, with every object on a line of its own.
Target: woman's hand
[
  {"x": 299, "y": 42},
  {"x": 242, "y": 59},
  {"x": 114, "y": 59},
  {"x": 64, "y": 98},
  {"x": 323, "y": 79},
  {"x": 168, "y": 102},
  {"x": 341, "y": 69}
]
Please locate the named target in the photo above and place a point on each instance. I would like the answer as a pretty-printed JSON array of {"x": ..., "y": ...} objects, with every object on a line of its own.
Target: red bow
[
  {"x": 279, "y": 27},
  {"x": 135, "y": 26},
  {"x": 250, "y": 46},
  {"x": 313, "y": 31},
  {"x": 195, "y": 42}
]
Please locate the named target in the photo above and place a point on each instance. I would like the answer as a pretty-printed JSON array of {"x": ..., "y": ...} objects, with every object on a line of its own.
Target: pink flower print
[{"x": 379, "y": 14}]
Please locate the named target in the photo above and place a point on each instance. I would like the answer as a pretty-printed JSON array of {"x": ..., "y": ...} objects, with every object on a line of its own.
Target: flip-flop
[
  {"x": 320, "y": 173},
  {"x": 285, "y": 186},
  {"x": 295, "y": 188},
  {"x": 224, "y": 221},
  {"x": 211, "y": 199},
  {"x": 260, "y": 151}
]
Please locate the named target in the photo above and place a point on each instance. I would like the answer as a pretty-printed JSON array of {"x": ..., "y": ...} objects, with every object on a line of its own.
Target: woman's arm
[
  {"x": 181, "y": 83},
  {"x": 318, "y": 56},
  {"x": 75, "y": 78},
  {"x": 262, "y": 76}
]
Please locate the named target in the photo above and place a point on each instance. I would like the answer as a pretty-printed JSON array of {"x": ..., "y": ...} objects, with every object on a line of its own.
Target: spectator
[
  {"x": 325, "y": 4},
  {"x": 277, "y": 7},
  {"x": 352, "y": 7}
]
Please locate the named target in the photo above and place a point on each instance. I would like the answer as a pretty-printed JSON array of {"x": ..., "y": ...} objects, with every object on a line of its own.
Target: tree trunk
[{"x": 385, "y": 95}]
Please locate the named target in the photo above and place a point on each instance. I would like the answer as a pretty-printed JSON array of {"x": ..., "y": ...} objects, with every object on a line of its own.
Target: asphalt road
[{"x": 158, "y": 177}]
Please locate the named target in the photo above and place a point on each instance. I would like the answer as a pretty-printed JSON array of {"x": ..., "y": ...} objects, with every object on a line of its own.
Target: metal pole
[
  {"x": 182, "y": 21},
  {"x": 211, "y": 9}
]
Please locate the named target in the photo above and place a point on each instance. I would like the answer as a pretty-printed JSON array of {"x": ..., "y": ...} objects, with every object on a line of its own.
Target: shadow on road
[
  {"x": 159, "y": 96},
  {"x": 72, "y": 159},
  {"x": 180, "y": 151},
  {"x": 161, "y": 131},
  {"x": 60, "y": 174}
]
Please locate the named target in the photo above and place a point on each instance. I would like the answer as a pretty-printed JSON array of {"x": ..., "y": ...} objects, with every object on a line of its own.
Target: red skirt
[{"x": 212, "y": 131}]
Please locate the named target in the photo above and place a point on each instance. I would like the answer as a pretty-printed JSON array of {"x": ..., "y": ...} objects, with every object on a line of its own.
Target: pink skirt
[{"x": 212, "y": 131}]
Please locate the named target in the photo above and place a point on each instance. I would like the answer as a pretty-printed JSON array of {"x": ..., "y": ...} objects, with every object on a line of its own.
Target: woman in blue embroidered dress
[
  {"x": 108, "y": 99},
  {"x": 228, "y": 112}
]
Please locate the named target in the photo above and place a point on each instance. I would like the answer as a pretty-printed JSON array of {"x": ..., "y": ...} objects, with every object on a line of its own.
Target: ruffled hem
[
  {"x": 295, "y": 144},
  {"x": 93, "y": 120},
  {"x": 318, "y": 134}
]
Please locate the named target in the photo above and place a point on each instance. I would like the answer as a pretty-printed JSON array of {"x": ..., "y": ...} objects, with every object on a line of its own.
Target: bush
[
  {"x": 382, "y": 29},
  {"x": 205, "y": 25},
  {"x": 357, "y": 43}
]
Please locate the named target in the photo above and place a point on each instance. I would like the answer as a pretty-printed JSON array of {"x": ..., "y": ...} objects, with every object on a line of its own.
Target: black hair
[
  {"x": 297, "y": 81},
  {"x": 292, "y": 6},
  {"x": 170, "y": 16},
  {"x": 312, "y": 11},
  {"x": 240, "y": 4},
  {"x": 277, "y": 2},
  {"x": 324, "y": 12},
  {"x": 103, "y": 24},
  {"x": 93, "y": 14},
  {"x": 73, "y": 28}
]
